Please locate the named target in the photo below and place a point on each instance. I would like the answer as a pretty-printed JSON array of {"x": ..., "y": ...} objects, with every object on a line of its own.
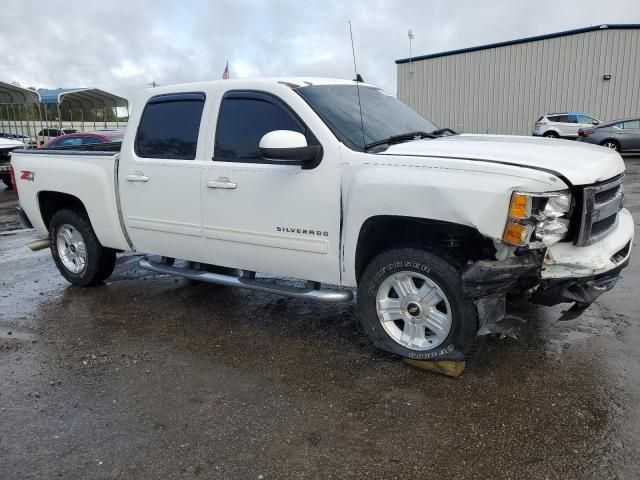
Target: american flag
[{"x": 225, "y": 74}]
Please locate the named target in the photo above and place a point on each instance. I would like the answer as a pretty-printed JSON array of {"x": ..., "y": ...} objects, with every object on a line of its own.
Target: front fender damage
[{"x": 487, "y": 282}]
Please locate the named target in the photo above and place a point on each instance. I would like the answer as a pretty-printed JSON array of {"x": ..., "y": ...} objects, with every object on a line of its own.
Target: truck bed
[{"x": 88, "y": 174}]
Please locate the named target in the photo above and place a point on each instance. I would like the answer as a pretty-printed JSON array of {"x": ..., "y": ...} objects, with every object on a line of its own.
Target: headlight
[{"x": 537, "y": 219}]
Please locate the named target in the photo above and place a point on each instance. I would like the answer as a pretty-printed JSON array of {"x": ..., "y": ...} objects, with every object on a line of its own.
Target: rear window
[
  {"x": 169, "y": 127},
  {"x": 633, "y": 125},
  {"x": 91, "y": 140},
  {"x": 68, "y": 142},
  {"x": 49, "y": 132}
]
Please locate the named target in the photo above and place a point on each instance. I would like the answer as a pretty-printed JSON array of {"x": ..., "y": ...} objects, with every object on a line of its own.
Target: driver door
[{"x": 266, "y": 216}]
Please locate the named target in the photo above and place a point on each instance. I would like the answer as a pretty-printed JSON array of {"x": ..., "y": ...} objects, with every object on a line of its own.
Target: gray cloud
[{"x": 122, "y": 46}]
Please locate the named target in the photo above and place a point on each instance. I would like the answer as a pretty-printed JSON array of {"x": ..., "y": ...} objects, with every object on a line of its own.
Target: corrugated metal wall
[{"x": 505, "y": 90}]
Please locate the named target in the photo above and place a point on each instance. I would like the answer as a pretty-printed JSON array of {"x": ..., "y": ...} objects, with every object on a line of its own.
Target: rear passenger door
[
  {"x": 570, "y": 125},
  {"x": 159, "y": 178}
]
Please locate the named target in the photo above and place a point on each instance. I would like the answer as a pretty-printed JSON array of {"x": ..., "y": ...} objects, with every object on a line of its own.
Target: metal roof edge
[{"x": 594, "y": 28}]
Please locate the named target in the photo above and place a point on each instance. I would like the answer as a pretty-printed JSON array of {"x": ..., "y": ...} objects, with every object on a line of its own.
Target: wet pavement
[{"x": 154, "y": 377}]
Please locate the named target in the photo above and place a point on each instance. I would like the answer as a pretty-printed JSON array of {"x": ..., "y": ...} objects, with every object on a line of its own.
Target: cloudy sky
[{"x": 123, "y": 45}]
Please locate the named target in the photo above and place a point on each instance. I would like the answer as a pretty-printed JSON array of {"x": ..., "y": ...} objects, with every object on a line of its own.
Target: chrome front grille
[{"x": 600, "y": 206}]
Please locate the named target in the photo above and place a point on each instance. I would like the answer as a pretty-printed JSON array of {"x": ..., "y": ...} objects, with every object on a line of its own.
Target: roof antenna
[{"x": 358, "y": 80}]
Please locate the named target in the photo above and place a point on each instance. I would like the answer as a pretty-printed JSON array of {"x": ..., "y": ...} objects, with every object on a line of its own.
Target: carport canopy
[
  {"x": 12, "y": 94},
  {"x": 82, "y": 98}
]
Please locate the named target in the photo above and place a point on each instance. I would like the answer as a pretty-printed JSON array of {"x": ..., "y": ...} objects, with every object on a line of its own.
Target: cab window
[
  {"x": 169, "y": 127},
  {"x": 242, "y": 122}
]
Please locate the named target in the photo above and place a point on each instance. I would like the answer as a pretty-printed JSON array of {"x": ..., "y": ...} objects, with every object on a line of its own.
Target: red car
[{"x": 86, "y": 138}]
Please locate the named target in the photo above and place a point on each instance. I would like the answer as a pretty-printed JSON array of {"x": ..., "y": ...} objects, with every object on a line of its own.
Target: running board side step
[{"x": 245, "y": 280}]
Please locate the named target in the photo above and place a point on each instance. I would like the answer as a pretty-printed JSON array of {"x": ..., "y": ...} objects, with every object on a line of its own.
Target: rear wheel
[
  {"x": 76, "y": 251},
  {"x": 551, "y": 134},
  {"x": 411, "y": 303},
  {"x": 612, "y": 144}
]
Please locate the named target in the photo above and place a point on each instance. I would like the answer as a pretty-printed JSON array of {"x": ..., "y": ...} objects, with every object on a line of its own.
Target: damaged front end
[
  {"x": 488, "y": 282},
  {"x": 558, "y": 247},
  {"x": 582, "y": 292}
]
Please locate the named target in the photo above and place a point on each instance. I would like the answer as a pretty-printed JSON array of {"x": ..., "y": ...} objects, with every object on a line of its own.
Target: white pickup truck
[{"x": 340, "y": 185}]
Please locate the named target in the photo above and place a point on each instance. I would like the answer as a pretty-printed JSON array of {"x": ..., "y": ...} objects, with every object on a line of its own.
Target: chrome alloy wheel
[
  {"x": 611, "y": 145},
  {"x": 413, "y": 310},
  {"x": 71, "y": 248}
]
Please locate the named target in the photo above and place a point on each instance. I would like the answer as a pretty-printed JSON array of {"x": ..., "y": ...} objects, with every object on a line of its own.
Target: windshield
[{"x": 383, "y": 116}]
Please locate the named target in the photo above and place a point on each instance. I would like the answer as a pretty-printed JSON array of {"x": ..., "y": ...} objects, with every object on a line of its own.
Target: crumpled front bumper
[
  {"x": 565, "y": 260},
  {"x": 566, "y": 274}
]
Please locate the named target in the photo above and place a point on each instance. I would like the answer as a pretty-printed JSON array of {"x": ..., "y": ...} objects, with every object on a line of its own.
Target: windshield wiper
[
  {"x": 442, "y": 131},
  {"x": 403, "y": 137}
]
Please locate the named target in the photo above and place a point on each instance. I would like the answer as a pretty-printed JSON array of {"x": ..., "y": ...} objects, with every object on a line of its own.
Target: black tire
[
  {"x": 612, "y": 144},
  {"x": 6, "y": 179},
  {"x": 461, "y": 340},
  {"x": 551, "y": 134},
  {"x": 100, "y": 261}
]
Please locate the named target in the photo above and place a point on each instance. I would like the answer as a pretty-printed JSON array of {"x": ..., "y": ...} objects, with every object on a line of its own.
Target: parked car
[
  {"x": 7, "y": 146},
  {"x": 306, "y": 178},
  {"x": 562, "y": 125},
  {"x": 47, "y": 134},
  {"x": 620, "y": 135},
  {"x": 17, "y": 136},
  {"x": 86, "y": 138}
]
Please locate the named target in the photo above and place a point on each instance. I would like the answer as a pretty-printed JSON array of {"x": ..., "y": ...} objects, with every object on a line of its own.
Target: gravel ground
[{"x": 153, "y": 377}]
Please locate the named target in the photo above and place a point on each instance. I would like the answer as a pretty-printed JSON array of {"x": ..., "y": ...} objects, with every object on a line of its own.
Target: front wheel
[
  {"x": 551, "y": 134},
  {"x": 410, "y": 303},
  {"x": 76, "y": 250}
]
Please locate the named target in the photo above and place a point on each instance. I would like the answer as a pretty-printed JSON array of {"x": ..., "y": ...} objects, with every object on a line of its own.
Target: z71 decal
[{"x": 27, "y": 175}]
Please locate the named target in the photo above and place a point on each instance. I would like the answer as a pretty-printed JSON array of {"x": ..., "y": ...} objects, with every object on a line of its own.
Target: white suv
[{"x": 562, "y": 125}]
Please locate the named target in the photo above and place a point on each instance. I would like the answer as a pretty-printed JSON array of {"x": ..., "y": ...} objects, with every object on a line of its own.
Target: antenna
[{"x": 357, "y": 80}]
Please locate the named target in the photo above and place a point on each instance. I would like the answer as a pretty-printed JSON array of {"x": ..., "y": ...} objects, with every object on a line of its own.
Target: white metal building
[{"x": 505, "y": 87}]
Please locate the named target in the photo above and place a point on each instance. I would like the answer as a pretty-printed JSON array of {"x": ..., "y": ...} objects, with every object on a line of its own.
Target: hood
[{"x": 580, "y": 163}]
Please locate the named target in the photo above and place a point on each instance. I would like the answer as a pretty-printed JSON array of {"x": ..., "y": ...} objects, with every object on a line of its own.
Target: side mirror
[
  {"x": 595, "y": 122},
  {"x": 287, "y": 146}
]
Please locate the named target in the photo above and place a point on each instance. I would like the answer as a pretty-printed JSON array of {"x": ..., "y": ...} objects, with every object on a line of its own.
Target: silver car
[
  {"x": 620, "y": 135},
  {"x": 562, "y": 125}
]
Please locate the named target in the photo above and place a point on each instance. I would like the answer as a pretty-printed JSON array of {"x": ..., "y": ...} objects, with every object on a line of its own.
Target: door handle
[
  {"x": 223, "y": 183},
  {"x": 137, "y": 178}
]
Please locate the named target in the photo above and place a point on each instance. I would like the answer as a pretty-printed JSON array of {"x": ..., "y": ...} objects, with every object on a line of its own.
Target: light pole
[{"x": 411, "y": 37}]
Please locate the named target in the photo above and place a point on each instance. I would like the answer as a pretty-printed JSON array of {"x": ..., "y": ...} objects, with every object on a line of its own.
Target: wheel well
[
  {"x": 551, "y": 131},
  {"x": 612, "y": 140},
  {"x": 459, "y": 242},
  {"x": 51, "y": 202}
]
